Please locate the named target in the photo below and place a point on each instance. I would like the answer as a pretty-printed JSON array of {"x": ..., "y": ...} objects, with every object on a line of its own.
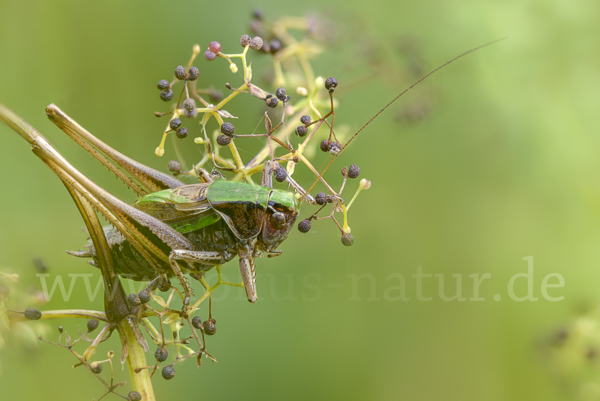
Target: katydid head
[{"x": 282, "y": 211}]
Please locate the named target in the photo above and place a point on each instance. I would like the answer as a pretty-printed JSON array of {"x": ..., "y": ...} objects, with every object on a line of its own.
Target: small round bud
[
  {"x": 133, "y": 300},
  {"x": 321, "y": 198},
  {"x": 168, "y": 372},
  {"x": 214, "y": 47},
  {"x": 175, "y": 123},
  {"x": 331, "y": 83},
  {"x": 244, "y": 40},
  {"x": 256, "y": 43},
  {"x": 197, "y": 322},
  {"x": 163, "y": 84},
  {"x": 233, "y": 68},
  {"x": 347, "y": 239},
  {"x": 227, "y": 129},
  {"x": 365, "y": 184},
  {"x": 134, "y": 396},
  {"x": 304, "y": 226},
  {"x": 32, "y": 314},
  {"x": 301, "y": 130},
  {"x": 144, "y": 296},
  {"x": 60, "y": 329},
  {"x": 95, "y": 367},
  {"x": 189, "y": 104},
  {"x": 280, "y": 93},
  {"x": 325, "y": 145},
  {"x": 180, "y": 73},
  {"x": 272, "y": 102},
  {"x": 334, "y": 148},
  {"x": 166, "y": 95},
  {"x": 181, "y": 132},
  {"x": 92, "y": 325},
  {"x": 280, "y": 174},
  {"x": 302, "y": 91},
  {"x": 161, "y": 354},
  {"x": 210, "y": 56},
  {"x": 210, "y": 328},
  {"x": 305, "y": 120},
  {"x": 223, "y": 140},
  {"x": 278, "y": 220},
  {"x": 274, "y": 46},
  {"x": 193, "y": 73},
  {"x": 353, "y": 171},
  {"x": 164, "y": 285},
  {"x": 174, "y": 166}
]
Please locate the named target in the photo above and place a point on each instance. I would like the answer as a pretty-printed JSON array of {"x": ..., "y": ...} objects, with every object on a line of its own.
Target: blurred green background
[{"x": 505, "y": 166}]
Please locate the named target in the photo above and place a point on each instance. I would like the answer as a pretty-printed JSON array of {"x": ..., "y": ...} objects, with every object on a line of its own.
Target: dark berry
[
  {"x": 92, "y": 325},
  {"x": 347, "y": 239},
  {"x": 168, "y": 372},
  {"x": 32, "y": 314},
  {"x": 280, "y": 174},
  {"x": 334, "y": 148},
  {"x": 180, "y": 73},
  {"x": 144, "y": 296},
  {"x": 325, "y": 145},
  {"x": 163, "y": 84},
  {"x": 304, "y": 226},
  {"x": 305, "y": 120},
  {"x": 227, "y": 129},
  {"x": 193, "y": 73},
  {"x": 244, "y": 40},
  {"x": 166, "y": 95},
  {"x": 280, "y": 93},
  {"x": 96, "y": 368},
  {"x": 153, "y": 285},
  {"x": 197, "y": 322},
  {"x": 301, "y": 130},
  {"x": 210, "y": 56},
  {"x": 134, "y": 396},
  {"x": 164, "y": 285},
  {"x": 175, "y": 123},
  {"x": 223, "y": 140},
  {"x": 321, "y": 198},
  {"x": 275, "y": 46},
  {"x": 256, "y": 43},
  {"x": 161, "y": 354},
  {"x": 181, "y": 132},
  {"x": 214, "y": 47},
  {"x": 174, "y": 166},
  {"x": 133, "y": 300},
  {"x": 257, "y": 14},
  {"x": 272, "y": 102},
  {"x": 189, "y": 104},
  {"x": 331, "y": 83},
  {"x": 210, "y": 328},
  {"x": 216, "y": 96},
  {"x": 353, "y": 171}
]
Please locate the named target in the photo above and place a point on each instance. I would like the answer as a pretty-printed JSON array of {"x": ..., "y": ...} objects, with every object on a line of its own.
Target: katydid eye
[{"x": 278, "y": 220}]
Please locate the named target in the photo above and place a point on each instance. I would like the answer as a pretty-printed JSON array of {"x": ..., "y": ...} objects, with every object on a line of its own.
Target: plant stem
[{"x": 136, "y": 359}]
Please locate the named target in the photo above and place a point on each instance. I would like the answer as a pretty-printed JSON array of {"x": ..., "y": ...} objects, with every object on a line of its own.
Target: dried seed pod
[
  {"x": 321, "y": 198},
  {"x": 227, "y": 129},
  {"x": 304, "y": 226},
  {"x": 274, "y": 46},
  {"x": 244, "y": 40},
  {"x": 347, "y": 239},
  {"x": 96, "y": 368},
  {"x": 180, "y": 73},
  {"x": 164, "y": 285},
  {"x": 181, "y": 132},
  {"x": 331, "y": 83},
  {"x": 175, "y": 123},
  {"x": 301, "y": 130},
  {"x": 144, "y": 296},
  {"x": 134, "y": 396},
  {"x": 166, "y": 95},
  {"x": 189, "y": 104},
  {"x": 280, "y": 93},
  {"x": 32, "y": 314},
  {"x": 280, "y": 174},
  {"x": 161, "y": 354},
  {"x": 305, "y": 120},
  {"x": 163, "y": 84},
  {"x": 193, "y": 73},
  {"x": 344, "y": 171},
  {"x": 133, "y": 300},
  {"x": 168, "y": 372},
  {"x": 174, "y": 166},
  {"x": 223, "y": 140},
  {"x": 209, "y": 327},
  {"x": 334, "y": 148},
  {"x": 272, "y": 102},
  {"x": 353, "y": 171},
  {"x": 325, "y": 145},
  {"x": 92, "y": 325},
  {"x": 197, "y": 322},
  {"x": 256, "y": 43}
]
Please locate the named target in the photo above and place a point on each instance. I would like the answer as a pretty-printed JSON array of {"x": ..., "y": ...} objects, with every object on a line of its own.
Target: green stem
[{"x": 136, "y": 359}]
